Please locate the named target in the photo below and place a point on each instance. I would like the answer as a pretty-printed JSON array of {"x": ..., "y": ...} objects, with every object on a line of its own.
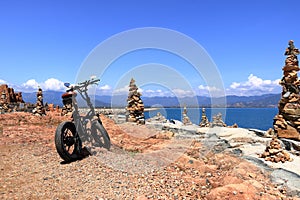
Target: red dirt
[{"x": 31, "y": 168}]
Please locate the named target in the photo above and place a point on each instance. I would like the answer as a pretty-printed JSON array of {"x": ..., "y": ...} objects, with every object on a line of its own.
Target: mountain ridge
[{"x": 258, "y": 101}]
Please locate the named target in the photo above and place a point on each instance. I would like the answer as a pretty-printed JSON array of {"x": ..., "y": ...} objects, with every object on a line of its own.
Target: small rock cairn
[
  {"x": 218, "y": 121},
  {"x": 39, "y": 109},
  {"x": 287, "y": 122},
  {"x": 67, "y": 97},
  {"x": 204, "y": 120},
  {"x": 135, "y": 105},
  {"x": 275, "y": 153},
  {"x": 3, "y": 103},
  {"x": 158, "y": 118},
  {"x": 185, "y": 119}
]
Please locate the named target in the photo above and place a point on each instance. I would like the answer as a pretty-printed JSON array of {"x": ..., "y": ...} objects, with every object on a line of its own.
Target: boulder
[{"x": 289, "y": 132}]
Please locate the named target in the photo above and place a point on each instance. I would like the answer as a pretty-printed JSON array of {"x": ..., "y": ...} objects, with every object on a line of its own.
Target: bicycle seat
[{"x": 68, "y": 94}]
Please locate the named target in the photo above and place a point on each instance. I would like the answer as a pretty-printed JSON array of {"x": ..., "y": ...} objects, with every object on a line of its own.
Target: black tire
[
  {"x": 100, "y": 135},
  {"x": 65, "y": 142}
]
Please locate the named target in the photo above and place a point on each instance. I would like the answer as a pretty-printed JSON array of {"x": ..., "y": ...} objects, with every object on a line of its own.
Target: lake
[{"x": 257, "y": 118}]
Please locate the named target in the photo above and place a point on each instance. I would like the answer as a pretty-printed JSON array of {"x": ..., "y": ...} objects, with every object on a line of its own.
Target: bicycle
[{"x": 70, "y": 135}]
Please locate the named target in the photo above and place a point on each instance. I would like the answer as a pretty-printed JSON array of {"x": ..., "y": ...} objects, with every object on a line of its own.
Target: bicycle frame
[
  {"x": 82, "y": 129},
  {"x": 81, "y": 121}
]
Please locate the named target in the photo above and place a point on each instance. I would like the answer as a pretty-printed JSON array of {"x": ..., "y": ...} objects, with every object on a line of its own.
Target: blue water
[{"x": 258, "y": 118}]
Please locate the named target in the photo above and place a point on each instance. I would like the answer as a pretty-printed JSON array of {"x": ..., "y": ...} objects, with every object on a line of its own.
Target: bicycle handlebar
[{"x": 86, "y": 83}]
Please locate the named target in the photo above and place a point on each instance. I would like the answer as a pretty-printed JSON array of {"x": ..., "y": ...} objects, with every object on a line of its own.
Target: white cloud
[
  {"x": 156, "y": 93},
  {"x": 209, "y": 88},
  {"x": 105, "y": 87},
  {"x": 166, "y": 93},
  {"x": 254, "y": 86},
  {"x": 3, "y": 81},
  {"x": 210, "y": 91},
  {"x": 149, "y": 91},
  {"x": 53, "y": 84},
  {"x": 104, "y": 90},
  {"x": 30, "y": 84},
  {"x": 140, "y": 90},
  {"x": 234, "y": 85},
  {"x": 121, "y": 91},
  {"x": 183, "y": 93}
]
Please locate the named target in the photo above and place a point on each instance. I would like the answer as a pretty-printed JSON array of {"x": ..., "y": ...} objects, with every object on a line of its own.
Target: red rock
[
  {"x": 290, "y": 68},
  {"x": 11, "y": 96},
  {"x": 289, "y": 132},
  {"x": 233, "y": 192}
]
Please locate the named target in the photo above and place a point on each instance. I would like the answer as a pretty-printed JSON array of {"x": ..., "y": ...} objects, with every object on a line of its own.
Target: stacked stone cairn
[
  {"x": 275, "y": 153},
  {"x": 287, "y": 122},
  {"x": 204, "y": 120},
  {"x": 218, "y": 121},
  {"x": 135, "y": 105},
  {"x": 50, "y": 107},
  {"x": 158, "y": 118},
  {"x": 39, "y": 108},
  {"x": 68, "y": 101},
  {"x": 3, "y": 103},
  {"x": 185, "y": 119}
]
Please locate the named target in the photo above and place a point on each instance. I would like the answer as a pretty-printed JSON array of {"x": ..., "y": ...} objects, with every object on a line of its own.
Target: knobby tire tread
[
  {"x": 104, "y": 134},
  {"x": 66, "y": 156}
]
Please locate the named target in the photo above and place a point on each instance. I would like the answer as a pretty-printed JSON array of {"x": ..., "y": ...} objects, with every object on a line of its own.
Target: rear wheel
[
  {"x": 66, "y": 142},
  {"x": 100, "y": 135}
]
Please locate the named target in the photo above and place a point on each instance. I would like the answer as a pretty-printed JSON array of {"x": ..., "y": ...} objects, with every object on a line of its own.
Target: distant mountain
[
  {"x": 262, "y": 101},
  {"x": 266, "y": 100},
  {"x": 48, "y": 97}
]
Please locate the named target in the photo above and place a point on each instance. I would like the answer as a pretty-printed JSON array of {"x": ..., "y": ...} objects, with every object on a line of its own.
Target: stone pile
[
  {"x": 204, "y": 120},
  {"x": 39, "y": 108},
  {"x": 218, "y": 121},
  {"x": 157, "y": 118},
  {"x": 50, "y": 107},
  {"x": 67, "y": 97},
  {"x": 275, "y": 153},
  {"x": 185, "y": 119},
  {"x": 287, "y": 121},
  {"x": 3, "y": 103},
  {"x": 135, "y": 105}
]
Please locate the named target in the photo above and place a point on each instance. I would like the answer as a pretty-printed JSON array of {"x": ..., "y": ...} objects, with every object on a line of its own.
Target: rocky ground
[{"x": 143, "y": 163}]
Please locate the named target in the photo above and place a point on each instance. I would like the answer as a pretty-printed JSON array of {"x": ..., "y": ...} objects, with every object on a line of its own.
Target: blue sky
[{"x": 46, "y": 42}]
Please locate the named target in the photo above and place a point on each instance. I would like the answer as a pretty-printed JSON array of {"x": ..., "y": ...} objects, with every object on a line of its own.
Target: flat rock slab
[
  {"x": 249, "y": 145},
  {"x": 245, "y": 143}
]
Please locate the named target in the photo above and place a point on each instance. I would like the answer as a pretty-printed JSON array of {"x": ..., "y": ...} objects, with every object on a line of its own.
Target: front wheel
[
  {"x": 100, "y": 135},
  {"x": 66, "y": 142}
]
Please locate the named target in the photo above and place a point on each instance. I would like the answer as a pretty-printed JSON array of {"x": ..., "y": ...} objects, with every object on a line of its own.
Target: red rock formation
[{"x": 10, "y": 95}]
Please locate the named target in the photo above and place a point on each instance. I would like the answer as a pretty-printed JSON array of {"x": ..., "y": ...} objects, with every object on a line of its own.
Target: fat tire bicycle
[{"x": 70, "y": 135}]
